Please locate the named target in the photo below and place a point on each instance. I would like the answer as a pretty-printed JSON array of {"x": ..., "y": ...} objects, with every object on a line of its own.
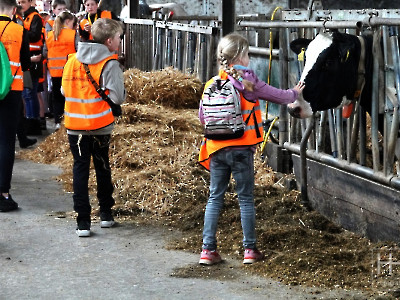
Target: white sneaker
[
  {"x": 107, "y": 224},
  {"x": 83, "y": 228},
  {"x": 106, "y": 220},
  {"x": 83, "y": 232}
]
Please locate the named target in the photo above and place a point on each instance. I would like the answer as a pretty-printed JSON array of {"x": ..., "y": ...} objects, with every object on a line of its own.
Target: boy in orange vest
[
  {"x": 93, "y": 13},
  {"x": 89, "y": 119}
]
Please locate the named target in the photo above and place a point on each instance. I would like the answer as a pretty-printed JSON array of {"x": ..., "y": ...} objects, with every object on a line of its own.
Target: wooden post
[{"x": 227, "y": 16}]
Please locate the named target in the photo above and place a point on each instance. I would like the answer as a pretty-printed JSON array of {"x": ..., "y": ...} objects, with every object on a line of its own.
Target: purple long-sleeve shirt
[{"x": 261, "y": 90}]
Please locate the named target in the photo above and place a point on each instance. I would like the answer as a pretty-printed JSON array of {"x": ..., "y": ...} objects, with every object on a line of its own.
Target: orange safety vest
[
  {"x": 253, "y": 133},
  {"x": 84, "y": 107},
  {"x": 104, "y": 14},
  {"x": 12, "y": 40},
  {"x": 58, "y": 50},
  {"x": 33, "y": 46}
]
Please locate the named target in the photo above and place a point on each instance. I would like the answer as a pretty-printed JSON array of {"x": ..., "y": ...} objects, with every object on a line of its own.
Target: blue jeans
[
  {"x": 83, "y": 148},
  {"x": 239, "y": 163},
  {"x": 32, "y": 110},
  {"x": 9, "y": 116}
]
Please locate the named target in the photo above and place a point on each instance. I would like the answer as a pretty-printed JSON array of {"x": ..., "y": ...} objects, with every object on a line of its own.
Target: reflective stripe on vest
[
  {"x": 12, "y": 40},
  {"x": 58, "y": 50},
  {"x": 253, "y": 134},
  {"x": 84, "y": 108}
]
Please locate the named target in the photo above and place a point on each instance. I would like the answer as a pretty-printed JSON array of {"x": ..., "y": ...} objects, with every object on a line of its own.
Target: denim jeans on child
[
  {"x": 240, "y": 163},
  {"x": 83, "y": 147},
  {"x": 32, "y": 108}
]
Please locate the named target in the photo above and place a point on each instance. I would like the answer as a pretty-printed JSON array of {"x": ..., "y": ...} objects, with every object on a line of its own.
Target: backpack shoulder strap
[{"x": 4, "y": 29}]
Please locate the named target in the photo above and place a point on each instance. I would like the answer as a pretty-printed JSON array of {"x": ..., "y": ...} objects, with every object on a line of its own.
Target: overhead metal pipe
[{"x": 304, "y": 24}]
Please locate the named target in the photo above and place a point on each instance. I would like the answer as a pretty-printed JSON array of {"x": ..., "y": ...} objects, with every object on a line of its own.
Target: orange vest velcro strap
[{"x": 253, "y": 133}]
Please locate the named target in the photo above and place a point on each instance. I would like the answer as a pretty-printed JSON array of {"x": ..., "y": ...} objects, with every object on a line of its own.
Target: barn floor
[{"x": 159, "y": 183}]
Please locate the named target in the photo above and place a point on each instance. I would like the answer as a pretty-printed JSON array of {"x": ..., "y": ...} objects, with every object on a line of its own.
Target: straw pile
[{"x": 154, "y": 153}]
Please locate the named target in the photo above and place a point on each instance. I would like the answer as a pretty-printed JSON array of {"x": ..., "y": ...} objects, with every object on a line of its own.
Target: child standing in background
[
  {"x": 60, "y": 42},
  {"x": 236, "y": 156},
  {"x": 93, "y": 13},
  {"x": 57, "y": 7},
  {"x": 33, "y": 24}
]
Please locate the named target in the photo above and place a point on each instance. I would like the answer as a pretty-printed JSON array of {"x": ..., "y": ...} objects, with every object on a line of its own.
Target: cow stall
[{"x": 346, "y": 168}]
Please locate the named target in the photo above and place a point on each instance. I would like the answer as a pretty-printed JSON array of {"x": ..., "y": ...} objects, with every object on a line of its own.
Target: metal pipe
[
  {"x": 394, "y": 34},
  {"x": 179, "y": 50},
  {"x": 203, "y": 58},
  {"x": 373, "y": 21},
  {"x": 354, "y": 132},
  {"x": 339, "y": 133},
  {"x": 283, "y": 62},
  {"x": 375, "y": 100},
  {"x": 332, "y": 133},
  {"x": 363, "y": 136},
  {"x": 353, "y": 168},
  {"x": 302, "y": 24},
  {"x": 263, "y": 51},
  {"x": 303, "y": 163}
]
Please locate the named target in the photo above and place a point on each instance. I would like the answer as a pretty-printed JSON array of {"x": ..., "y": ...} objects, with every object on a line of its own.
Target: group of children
[
  {"x": 89, "y": 120},
  {"x": 79, "y": 65}
]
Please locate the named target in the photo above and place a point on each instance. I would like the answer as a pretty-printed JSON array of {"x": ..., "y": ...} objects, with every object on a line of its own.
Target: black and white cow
[{"x": 331, "y": 71}]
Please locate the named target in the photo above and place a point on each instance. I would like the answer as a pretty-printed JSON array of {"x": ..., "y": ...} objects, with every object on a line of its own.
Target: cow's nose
[{"x": 294, "y": 111}]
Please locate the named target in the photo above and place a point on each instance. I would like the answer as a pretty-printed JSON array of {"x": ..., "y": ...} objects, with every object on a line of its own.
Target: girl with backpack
[
  {"x": 60, "y": 42},
  {"x": 223, "y": 157}
]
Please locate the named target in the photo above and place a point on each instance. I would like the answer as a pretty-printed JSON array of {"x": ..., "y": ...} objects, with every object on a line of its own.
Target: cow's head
[{"x": 330, "y": 72}]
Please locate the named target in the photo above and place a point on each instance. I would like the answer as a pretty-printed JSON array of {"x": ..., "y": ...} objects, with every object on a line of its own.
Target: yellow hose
[{"x": 266, "y": 135}]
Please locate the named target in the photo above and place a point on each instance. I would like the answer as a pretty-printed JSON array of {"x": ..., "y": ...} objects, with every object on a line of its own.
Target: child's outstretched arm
[{"x": 262, "y": 90}]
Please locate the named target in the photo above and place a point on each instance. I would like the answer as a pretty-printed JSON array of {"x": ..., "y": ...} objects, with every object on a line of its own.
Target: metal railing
[
  {"x": 355, "y": 145},
  {"x": 156, "y": 45}
]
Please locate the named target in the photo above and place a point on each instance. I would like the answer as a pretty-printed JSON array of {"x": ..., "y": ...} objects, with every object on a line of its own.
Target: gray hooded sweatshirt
[{"x": 112, "y": 78}]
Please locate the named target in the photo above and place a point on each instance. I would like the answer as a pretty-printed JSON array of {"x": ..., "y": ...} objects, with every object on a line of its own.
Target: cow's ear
[{"x": 297, "y": 45}]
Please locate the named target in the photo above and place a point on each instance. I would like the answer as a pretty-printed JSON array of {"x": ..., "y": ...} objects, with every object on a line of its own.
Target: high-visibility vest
[
  {"x": 84, "y": 107},
  {"x": 33, "y": 46},
  {"x": 253, "y": 133},
  {"x": 58, "y": 50},
  {"x": 104, "y": 14},
  {"x": 12, "y": 40}
]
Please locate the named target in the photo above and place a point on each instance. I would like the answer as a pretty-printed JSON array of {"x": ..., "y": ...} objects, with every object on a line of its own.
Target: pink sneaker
[
  {"x": 252, "y": 255},
  {"x": 209, "y": 257}
]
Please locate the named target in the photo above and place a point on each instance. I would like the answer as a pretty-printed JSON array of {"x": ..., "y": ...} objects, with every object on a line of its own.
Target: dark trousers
[
  {"x": 83, "y": 147},
  {"x": 9, "y": 113},
  {"x": 58, "y": 99}
]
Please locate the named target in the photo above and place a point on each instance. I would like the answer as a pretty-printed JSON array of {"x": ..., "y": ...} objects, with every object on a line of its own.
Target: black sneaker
[
  {"x": 7, "y": 204},
  {"x": 83, "y": 228},
  {"x": 107, "y": 219},
  {"x": 27, "y": 143}
]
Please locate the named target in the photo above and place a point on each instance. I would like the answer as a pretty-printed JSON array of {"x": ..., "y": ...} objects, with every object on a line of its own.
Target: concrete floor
[{"x": 41, "y": 257}]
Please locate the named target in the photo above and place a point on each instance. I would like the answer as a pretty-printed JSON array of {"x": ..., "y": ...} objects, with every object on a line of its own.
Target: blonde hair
[
  {"x": 231, "y": 48},
  {"x": 104, "y": 29},
  {"x": 60, "y": 21}
]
